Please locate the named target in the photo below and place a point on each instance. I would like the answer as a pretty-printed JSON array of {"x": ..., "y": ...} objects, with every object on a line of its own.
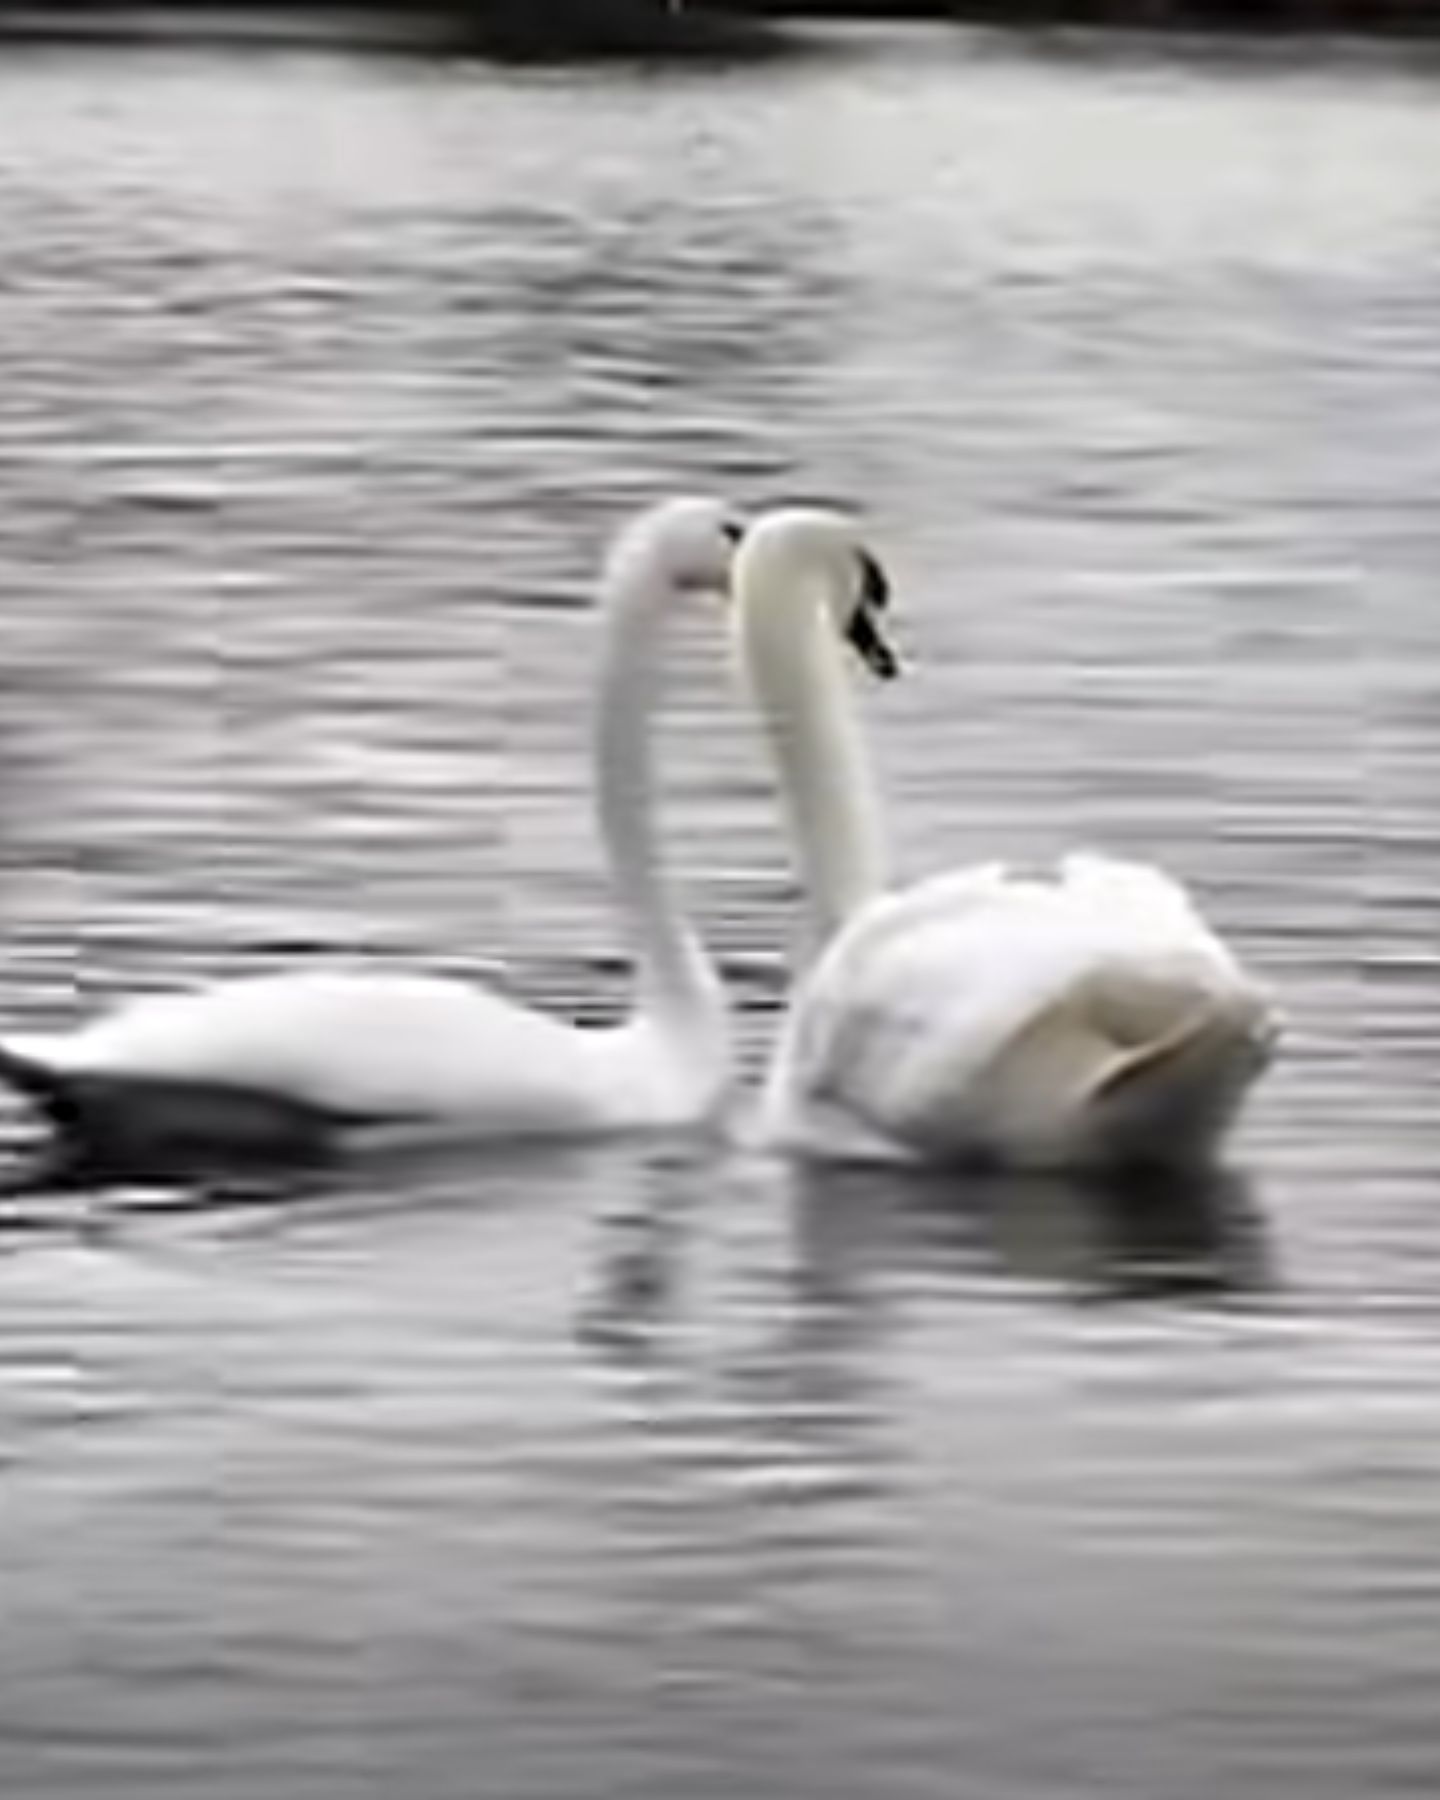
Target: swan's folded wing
[
  {"x": 354, "y": 1044},
  {"x": 922, "y": 1006},
  {"x": 983, "y": 1006}
]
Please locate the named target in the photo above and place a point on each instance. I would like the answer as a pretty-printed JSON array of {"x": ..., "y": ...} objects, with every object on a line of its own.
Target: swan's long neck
[
  {"x": 677, "y": 987},
  {"x": 792, "y": 658}
]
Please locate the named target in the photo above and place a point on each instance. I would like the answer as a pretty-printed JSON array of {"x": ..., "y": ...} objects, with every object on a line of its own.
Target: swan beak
[{"x": 870, "y": 645}]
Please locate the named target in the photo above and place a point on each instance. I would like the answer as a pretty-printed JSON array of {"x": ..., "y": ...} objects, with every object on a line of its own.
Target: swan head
[
  {"x": 685, "y": 544},
  {"x": 822, "y": 549}
]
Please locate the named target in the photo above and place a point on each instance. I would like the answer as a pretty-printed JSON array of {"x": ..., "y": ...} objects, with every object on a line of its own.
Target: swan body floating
[
  {"x": 1083, "y": 1017},
  {"x": 271, "y": 1067}
]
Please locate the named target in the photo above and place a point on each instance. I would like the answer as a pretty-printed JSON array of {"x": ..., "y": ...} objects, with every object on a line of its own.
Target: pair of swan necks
[{"x": 1118, "y": 1052}]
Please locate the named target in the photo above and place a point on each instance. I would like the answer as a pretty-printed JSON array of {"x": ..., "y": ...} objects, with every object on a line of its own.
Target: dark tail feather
[
  {"x": 48, "y": 1089},
  {"x": 108, "y": 1126}
]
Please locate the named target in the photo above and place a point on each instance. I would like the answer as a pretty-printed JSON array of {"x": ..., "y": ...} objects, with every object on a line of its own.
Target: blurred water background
[{"x": 652, "y": 1472}]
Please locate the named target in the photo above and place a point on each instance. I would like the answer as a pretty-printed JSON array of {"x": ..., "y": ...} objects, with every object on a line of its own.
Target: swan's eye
[{"x": 732, "y": 531}]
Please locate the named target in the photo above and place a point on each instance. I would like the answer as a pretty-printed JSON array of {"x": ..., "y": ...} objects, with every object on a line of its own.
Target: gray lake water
[{"x": 650, "y": 1471}]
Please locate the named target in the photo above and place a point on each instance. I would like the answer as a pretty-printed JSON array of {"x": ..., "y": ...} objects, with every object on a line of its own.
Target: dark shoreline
[
  {"x": 1258, "y": 17},
  {"x": 613, "y": 28},
  {"x": 696, "y": 29}
]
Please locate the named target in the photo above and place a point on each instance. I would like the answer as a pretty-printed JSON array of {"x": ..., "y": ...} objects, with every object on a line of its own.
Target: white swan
[
  {"x": 274, "y": 1063},
  {"x": 1083, "y": 1017}
]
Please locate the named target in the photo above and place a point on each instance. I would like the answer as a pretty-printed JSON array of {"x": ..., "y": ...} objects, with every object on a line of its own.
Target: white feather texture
[
  {"x": 388, "y": 1048},
  {"x": 367, "y": 1046},
  {"x": 1088, "y": 1016}
]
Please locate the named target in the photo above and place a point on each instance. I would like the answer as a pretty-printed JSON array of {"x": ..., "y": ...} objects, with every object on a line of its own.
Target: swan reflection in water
[
  {"x": 844, "y": 1238},
  {"x": 1133, "y": 1236},
  {"x": 777, "y": 1346}
]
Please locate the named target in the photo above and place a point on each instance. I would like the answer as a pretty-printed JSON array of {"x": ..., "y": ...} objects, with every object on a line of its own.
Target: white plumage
[
  {"x": 388, "y": 1048},
  {"x": 1089, "y": 1016},
  {"x": 1085, "y": 1016},
  {"x": 356, "y": 1046}
]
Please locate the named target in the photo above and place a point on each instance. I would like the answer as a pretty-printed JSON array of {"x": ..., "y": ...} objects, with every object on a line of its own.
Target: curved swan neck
[
  {"x": 792, "y": 659},
  {"x": 676, "y": 983}
]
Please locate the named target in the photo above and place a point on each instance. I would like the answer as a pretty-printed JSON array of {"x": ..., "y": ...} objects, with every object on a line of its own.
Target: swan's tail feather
[
  {"x": 111, "y": 1126},
  {"x": 1172, "y": 1099},
  {"x": 60, "y": 1162},
  {"x": 47, "y": 1088}
]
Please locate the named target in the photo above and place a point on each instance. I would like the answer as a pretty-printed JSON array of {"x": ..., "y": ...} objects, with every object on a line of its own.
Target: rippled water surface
[{"x": 652, "y": 1472}]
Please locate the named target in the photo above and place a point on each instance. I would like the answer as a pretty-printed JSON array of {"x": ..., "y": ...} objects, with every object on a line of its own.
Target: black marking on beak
[
  {"x": 864, "y": 631},
  {"x": 732, "y": 531},
  {"x": 874, "y": 584},
  {"x": 869, "y": 644}
]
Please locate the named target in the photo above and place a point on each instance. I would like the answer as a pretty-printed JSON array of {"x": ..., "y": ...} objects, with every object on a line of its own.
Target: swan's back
[
  {"x": 369, "y": 1046},
  {"x": 1030, "y": 1019}
]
